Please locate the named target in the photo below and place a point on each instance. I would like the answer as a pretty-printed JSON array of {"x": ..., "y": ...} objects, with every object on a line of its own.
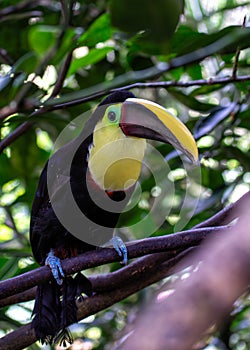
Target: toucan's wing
[
  {"x": 41, "y": 196},
  {"x": 56, "y": 172}
]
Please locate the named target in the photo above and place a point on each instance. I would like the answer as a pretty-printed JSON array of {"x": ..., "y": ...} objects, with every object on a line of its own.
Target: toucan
[{"x": 81, "y": 193}]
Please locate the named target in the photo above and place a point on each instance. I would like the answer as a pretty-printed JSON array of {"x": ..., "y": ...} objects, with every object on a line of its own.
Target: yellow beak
[{"x": 146, "y": 119}]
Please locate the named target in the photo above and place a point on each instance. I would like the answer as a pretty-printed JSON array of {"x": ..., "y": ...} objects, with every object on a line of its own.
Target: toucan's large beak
[{"x": 146, "y": 119}]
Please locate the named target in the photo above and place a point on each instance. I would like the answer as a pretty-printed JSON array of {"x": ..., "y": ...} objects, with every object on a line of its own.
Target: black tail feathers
[
  {"x": 83, "y": 285},
  {"x": 47, "y": 311},
  {"x": 55, "y": 308}
]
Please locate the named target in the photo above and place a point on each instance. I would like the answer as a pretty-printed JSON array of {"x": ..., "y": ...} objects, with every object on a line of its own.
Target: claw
[
  {"x": 121, "y": 249},
  {"x": 56, "y": 268}
]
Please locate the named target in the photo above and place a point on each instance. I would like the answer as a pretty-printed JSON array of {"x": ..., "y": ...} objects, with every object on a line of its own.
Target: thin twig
[
  {"x": 227, "y": 214},
  {"x": 21, "y": 6},
  {"x": 20, "y": 130},
  {"x": 186, "y": 84},
  {"x": 21, "y": 95},
  {"x": 237, "y": 55},
  {"x": 10, "y": 222},
  {"x": 7, "y": 111},
  {"x": 157, "y": 84},
  {"x": 5, "y": 57},
  {"x": 166, "y": 84},
  {"x": 62, "y": 75}
]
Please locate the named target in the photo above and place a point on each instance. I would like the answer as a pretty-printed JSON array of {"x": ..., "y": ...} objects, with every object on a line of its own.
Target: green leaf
[
  {"x": 25, "y": 155},
  {"x": 152, "y": 72},
  {"x": 211, "y": 178},
  {"x": 194, "y": 71},
  {"x": 190, "y": 102},
  {"x": 50, "y": 117},
  {"x": 94, "y": 56},
  {"x": 138, "y": 62},
  {"x": 42, "y": 37},
  {"x": 226, "y": 40},
  {"x": 99, "y": 31},
  {"x": 67, "y": 44},
  {"x": 205, "y": 90},
  {"x": 15, "y": 78},
  {"x": 9, "y": 268},
  {"x": 7, "y": 171},
  {"x": 244, "y": 117},
  {"x": 14, "y": 37},
  {"x": 207, "y": 124},
  {"x": 121, "y": 80},
  {"x": 211, "y": 202},
  {"x": 231, "y": 41},
  {"x": 25, "y": 63},
  {"x": 231, "y": 152},
  {"x": 157, "y": 18}
]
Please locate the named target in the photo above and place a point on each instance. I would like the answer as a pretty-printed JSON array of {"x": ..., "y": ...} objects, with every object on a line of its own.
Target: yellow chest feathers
[{"x": 115, "y": 160}]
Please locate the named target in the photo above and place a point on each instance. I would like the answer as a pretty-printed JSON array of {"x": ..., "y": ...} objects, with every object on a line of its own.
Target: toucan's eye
[{"x": 112, "y": 116}]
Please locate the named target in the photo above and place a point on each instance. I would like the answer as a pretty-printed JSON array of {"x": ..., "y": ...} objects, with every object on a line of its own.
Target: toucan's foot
[
  {"x": 121, "y": 249},
  {"x": 56, "y": 268}
]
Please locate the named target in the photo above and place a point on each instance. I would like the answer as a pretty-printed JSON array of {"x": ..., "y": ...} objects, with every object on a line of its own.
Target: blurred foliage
[{"x": 116, "y": 43}]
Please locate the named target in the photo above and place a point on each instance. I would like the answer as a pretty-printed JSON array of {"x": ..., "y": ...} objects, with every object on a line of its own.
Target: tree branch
[
  {"x": 139, "y": 274},
  {"x": 25, "y": 335},
  {"x": 27, "y": 295},
  {"x": 186, "y": 84},
  {"x": 157, "y": 84},
  {"x": 113, "y": 280},
  {"x": 203, "y": 299},
  {"x": 62, "y": 75},
  {"x": 176, "y": 241},
  {"x": 171, "y": 243},
  {"x": 20, "y": 130}
]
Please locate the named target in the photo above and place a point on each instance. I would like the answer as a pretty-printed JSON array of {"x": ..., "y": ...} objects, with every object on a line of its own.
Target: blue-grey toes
[
  {"x": 56, "y": 268},
  {"x": 121, "y": 249}
]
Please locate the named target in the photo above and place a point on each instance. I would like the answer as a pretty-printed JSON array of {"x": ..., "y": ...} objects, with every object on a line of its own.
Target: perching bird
[{"x": 81, "y": 193}]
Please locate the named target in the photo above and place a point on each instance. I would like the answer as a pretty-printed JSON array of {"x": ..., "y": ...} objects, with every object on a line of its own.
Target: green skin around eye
[{"x": 115, "y": 109}]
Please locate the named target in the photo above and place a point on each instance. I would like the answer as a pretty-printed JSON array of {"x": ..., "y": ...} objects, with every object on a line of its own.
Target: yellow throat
[{"x": 115, "y": 160}]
